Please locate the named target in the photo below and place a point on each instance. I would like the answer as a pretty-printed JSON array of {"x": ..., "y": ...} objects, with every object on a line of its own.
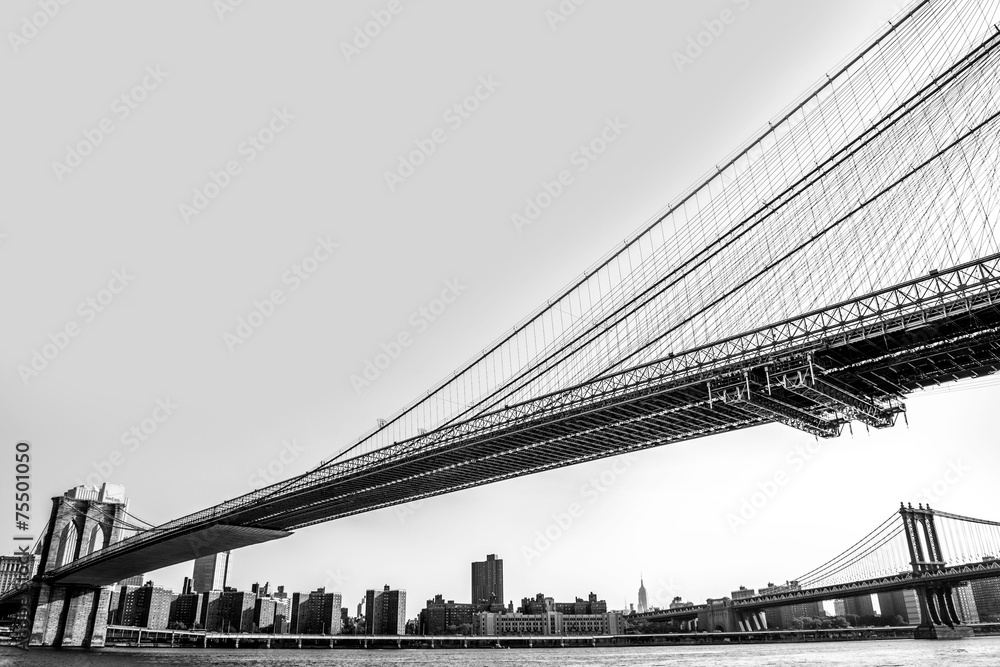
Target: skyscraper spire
[{"x": 643, "y": 605}]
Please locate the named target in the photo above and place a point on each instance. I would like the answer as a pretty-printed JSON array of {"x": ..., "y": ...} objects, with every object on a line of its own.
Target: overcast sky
[{"x": 119, "y": 246}]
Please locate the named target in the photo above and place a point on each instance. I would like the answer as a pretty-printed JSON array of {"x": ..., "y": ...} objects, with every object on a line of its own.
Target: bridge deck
[{"x": 851, "y": 361}]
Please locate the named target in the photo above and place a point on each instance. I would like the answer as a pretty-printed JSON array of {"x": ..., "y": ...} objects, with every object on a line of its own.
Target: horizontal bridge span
[
  {"x": 178, "y": 549},
  {"x": 852, "y": 361}
]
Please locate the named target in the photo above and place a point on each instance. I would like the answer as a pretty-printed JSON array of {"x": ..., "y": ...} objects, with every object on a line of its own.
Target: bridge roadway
[
  {"x": 901, "y": 581},
  {"x": 853, "y": 361}
]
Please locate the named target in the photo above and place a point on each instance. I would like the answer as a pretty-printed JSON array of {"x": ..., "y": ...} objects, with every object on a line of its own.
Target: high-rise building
[
  {"x": 805, "y": 610},
  {"x": 965, "y": 603},
  {"x": 125, "y": 614},
  {"x": 839, "y": 608},
  {"x": 261, "y": 591},
  {"x": 986, "y": 593},
  {"x": 541, "y": 604},
  {"x": 385, "y": 612},
  {"x": 319, "y": 613},
  {"x": 186, "y": 610},
  {"x": 154, "y": 606},
  {"x": 186, "y": 588},
  {"x": 643, "y": 604},
  {"x": 295, "y": 608},
  {"x": 782, "y": 617},
  {"x": 282, "y": 615},
  {"x": 860, "y": 605},
  {"x": 263, "y": 614},
  {"x": 211, "y": 573},
  {"x": 136, "y": 580},
  {"x": 308, "y": 621},
  {"x": 487, "y": 580},
  {"x": 144, "y": 606},
  {"x": 113, "y": 607},
  {"x": 211, "y": 611},
  {"x": 10, "y": 571},
  {"x": 236, "y": 610},
  {"x": 903, "y": 604},
  {"x": 441, "y": 617},
  {"x": 537, "y": 605}
]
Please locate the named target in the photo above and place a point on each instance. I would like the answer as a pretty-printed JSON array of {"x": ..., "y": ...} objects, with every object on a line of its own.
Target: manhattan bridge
[{"x": 842, "y": 259}]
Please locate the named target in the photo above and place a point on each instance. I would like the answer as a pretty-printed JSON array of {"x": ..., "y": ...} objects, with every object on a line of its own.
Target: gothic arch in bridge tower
[
  {"x": 68, "y": 539},
  {"x": 94, "y": 542}
]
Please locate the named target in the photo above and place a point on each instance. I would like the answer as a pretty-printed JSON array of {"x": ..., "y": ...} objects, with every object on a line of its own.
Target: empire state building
[{"x": 643, "y": 606}]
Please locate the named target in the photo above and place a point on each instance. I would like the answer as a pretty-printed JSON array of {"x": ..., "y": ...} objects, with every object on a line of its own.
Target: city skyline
[
  {"x": 226, "y": 421},
  {"x": 320, "y": 612},
  {"x": 91, "y": 511}
]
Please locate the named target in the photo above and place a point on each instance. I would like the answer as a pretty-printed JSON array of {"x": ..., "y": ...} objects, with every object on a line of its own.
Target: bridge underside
[
  {"x": 851, "y": 362},
  {"x": 857, "y": 375},
  {"x": 179, "y": 549}
]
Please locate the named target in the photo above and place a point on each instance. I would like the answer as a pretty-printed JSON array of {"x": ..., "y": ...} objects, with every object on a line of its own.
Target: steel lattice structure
[{"x": 874, "y": 192}]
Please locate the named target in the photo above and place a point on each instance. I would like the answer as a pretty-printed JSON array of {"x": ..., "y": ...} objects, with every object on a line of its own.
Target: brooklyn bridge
[{"x": 839, "y": 261}]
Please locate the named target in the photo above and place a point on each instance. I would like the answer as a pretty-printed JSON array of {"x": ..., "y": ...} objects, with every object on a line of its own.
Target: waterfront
[{"x": 976, "y": 652}]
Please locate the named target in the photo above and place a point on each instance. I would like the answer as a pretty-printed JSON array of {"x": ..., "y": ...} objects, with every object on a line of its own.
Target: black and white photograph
[{"x": 541, "y": 332}]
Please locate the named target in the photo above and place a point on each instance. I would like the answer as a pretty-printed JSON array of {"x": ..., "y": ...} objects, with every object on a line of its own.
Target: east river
[{"x": 974, "y": 652}]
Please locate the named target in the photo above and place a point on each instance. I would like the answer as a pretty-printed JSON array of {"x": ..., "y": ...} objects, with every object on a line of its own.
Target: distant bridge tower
[
  {"x": 83, "y": 520},
  {"x": 939, "y": 618}
]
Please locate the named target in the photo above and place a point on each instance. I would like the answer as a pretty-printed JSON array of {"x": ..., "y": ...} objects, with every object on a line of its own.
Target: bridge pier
[
  {"x": 752, "y": 621},
  {"x": 47, "y": 604},
  {"x": 719, "y": 615},
  {"x": 939, "y": 618},
  {"x": 69, "y": 616}
]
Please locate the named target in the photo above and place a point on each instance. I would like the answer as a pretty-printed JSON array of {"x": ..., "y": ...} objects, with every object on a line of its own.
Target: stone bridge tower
[{"x": 83, "y": 520}]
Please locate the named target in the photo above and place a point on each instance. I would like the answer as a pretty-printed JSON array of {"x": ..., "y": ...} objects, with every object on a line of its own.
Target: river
[{"x": 984, "y": 651}]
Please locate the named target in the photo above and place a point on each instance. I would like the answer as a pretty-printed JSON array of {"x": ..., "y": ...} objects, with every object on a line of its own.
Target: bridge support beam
[
  {"x": 749, "y": 396},
  {"x": 69, "y": 616},
  {"x": 939, "y": 617},
  {"x": 46, "y": 614},
  {"x": 826, "y": 394}
]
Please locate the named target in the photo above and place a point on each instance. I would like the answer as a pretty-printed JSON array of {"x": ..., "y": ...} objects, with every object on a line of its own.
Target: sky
[{"x": 233, "y": 160}]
